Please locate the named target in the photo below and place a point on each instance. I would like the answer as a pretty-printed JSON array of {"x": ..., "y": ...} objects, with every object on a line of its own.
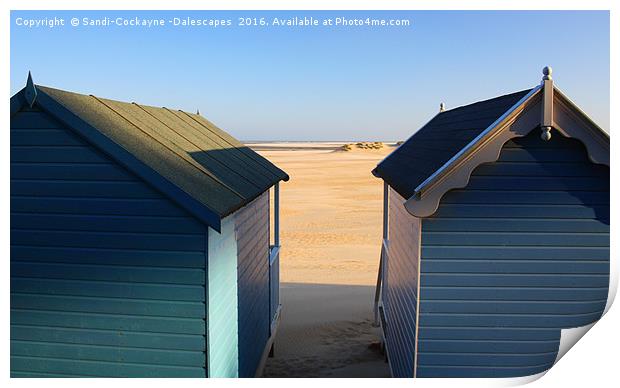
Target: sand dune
[{"x": 330, "y": 235}]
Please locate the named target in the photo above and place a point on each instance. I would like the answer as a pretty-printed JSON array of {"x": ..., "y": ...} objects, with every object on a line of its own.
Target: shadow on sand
[{"x": 326, "y": 331}]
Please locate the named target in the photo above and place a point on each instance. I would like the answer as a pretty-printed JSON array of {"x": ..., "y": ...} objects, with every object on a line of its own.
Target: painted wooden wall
[
  {"x": 223, "y": 331},
  {"x": 107, "y": 276},
  {"x": 520, "y": 253},
  {"x": 252, "y": 230},
  {"x": 400, "y": 286}
]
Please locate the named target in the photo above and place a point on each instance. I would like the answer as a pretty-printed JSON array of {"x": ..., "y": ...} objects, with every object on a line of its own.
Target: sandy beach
[
  {"x": 330, "y": 225},
  {"x": 330, "y": 236}
]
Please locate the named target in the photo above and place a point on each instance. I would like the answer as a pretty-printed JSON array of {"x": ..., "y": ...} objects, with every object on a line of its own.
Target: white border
[{"x": 594, "y": 359}]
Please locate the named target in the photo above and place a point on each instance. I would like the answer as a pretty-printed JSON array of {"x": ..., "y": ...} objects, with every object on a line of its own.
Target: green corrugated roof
[{"x": 202, "y": 160}]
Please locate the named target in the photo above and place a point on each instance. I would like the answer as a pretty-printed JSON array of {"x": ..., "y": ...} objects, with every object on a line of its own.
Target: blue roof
[{"x": 439, "y": 140}]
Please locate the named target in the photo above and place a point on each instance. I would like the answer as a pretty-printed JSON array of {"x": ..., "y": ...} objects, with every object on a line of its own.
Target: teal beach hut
[
  {"x": 496, "y": 236},
  {"x": 140, "y": 242}
]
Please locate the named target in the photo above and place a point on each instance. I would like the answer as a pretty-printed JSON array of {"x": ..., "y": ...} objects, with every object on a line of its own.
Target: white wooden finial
[
  {"x": 546, "y": 122},
  {"x": 442, "y": 107}
]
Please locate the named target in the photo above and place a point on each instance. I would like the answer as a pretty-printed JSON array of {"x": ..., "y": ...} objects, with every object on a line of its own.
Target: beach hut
[
  {"x": 140, "y": 242},
  {"x": 496, "y": 236}
]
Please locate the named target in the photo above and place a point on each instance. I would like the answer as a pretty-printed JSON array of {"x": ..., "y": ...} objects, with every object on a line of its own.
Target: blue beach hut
[
  {"x": 496, "y": 236},
  {"x": 140, "y": 242}
]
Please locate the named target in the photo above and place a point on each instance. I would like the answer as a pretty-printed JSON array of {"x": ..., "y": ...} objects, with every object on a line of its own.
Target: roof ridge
[
  {"x": 486, "y": 100},
  {"x": 260, "y": 160},
  {"x": 227, "y": 166},
  {"x": 194, "y": 144},
  {"x": 217, "y": 140},
  {"x": 264, "y": 172},
  {"x": 199, "y": 167}
]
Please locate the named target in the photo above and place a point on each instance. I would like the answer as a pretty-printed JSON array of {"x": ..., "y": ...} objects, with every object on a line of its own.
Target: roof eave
[
  {"x": 17, "y": 102},
  {"x": 246, "y": 202}
]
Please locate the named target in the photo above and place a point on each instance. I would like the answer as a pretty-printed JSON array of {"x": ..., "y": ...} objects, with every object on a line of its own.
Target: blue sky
[{"x": 320, "y": 83}]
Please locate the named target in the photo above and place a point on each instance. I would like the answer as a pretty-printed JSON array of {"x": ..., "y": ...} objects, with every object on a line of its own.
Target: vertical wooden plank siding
[
  {"x": 252, "y": 230},
  {"x": 507, "y": 262},
  {"x": 222, "y": 270},
  {"x": 400, "y": 287},
  {"x": 276, "y": 214},
  {"x": 107, "y": 275},
  {"x": 274, "y": 287}
]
